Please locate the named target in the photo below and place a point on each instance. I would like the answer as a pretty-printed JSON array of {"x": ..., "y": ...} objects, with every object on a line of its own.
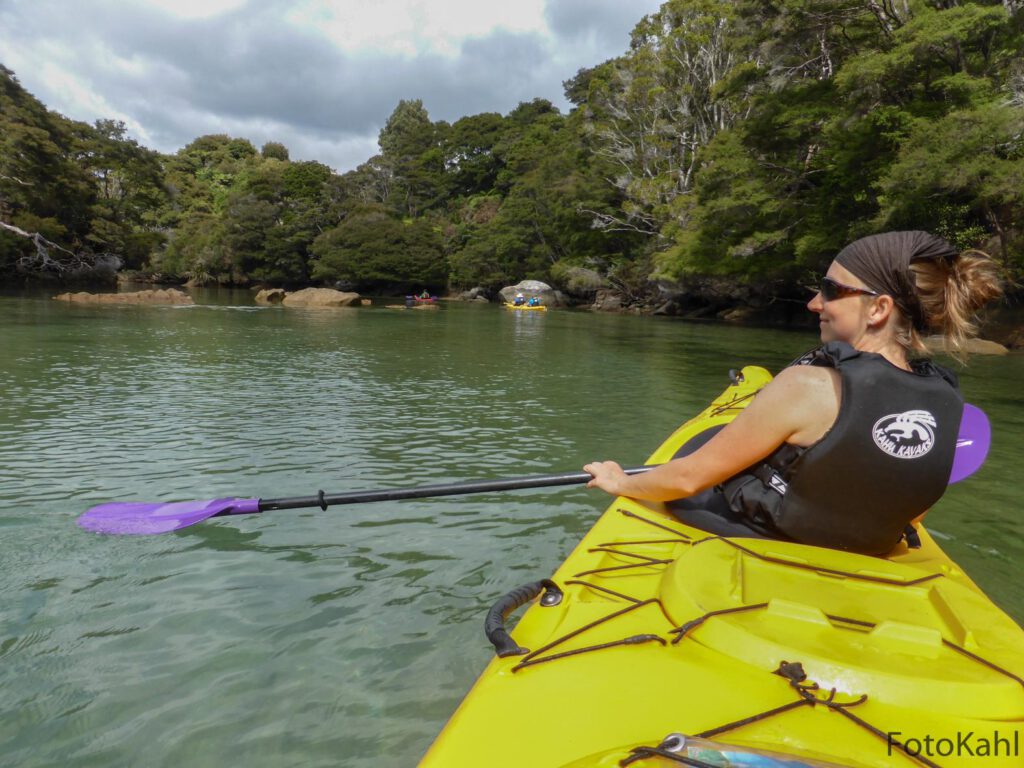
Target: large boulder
[
  {"x": 986, "y": 347},
  {"x": 473, "y": 294},
  {"x": 607, "y": 301},
  {"x": 270, "y": 296},
  {"x": 162, "y": 296},
  {"x": 580, "y": 282},
  {"x": 548, "y": 296},
  {"x": 320, "y": 297}
]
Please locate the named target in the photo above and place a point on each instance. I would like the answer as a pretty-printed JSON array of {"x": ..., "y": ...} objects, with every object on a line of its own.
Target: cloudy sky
[{"x": 321, "y": 76}]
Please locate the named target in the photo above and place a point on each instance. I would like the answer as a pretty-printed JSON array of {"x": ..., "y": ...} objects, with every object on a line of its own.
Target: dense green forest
[{"x": 735, "y": 140}]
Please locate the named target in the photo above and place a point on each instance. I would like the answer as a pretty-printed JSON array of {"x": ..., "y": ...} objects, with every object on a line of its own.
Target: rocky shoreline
[{"x": 709, "y": 300}]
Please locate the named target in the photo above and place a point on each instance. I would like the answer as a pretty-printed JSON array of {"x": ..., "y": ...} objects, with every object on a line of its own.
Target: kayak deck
[{"x": 771, "y": 645}]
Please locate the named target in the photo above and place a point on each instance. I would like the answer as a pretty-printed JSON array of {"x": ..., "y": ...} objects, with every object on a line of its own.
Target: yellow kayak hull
[
  {"x": 525, "y": 308},
  {"x": 828, "y": 657}
]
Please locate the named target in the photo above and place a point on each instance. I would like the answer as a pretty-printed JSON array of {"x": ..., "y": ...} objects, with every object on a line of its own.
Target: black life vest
[{"x": 885, "y": 460}]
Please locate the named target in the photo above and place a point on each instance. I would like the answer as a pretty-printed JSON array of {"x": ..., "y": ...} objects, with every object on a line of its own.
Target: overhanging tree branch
[
  {"x": 67, "y": 262},
  {"x": 15, "y": 179}
]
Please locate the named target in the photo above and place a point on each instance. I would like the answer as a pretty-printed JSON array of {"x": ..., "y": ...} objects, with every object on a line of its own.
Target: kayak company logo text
[
  {"x": 969, "y": 744},
  {"x": 907, "y": 435}
]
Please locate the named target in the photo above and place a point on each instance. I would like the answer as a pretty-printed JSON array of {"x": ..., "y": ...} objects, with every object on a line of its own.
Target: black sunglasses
[{"x": 831, "y": 290}]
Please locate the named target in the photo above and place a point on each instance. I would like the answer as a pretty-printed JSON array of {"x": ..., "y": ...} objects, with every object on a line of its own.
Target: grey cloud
[
  {"x": 272, "y": 71},
  {"x": 608, "y": 21},
  {"x": 249, "y": 73}
]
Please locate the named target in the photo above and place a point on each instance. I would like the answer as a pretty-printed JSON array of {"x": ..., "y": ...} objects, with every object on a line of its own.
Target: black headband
[{"x": 883, "y": 263}]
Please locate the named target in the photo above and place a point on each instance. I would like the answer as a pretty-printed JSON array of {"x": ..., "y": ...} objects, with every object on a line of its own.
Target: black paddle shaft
[{"x": 323, "y": 500}]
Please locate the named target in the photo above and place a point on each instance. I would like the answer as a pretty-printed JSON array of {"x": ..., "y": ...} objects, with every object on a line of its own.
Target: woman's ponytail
[{"x": 951, "y": 292}]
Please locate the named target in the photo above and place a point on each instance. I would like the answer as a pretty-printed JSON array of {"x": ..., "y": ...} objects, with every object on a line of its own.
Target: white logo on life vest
[{"x": 907, "y": 435}]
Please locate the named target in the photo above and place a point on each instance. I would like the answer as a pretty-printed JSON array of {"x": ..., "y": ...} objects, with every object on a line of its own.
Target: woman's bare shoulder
[
  {"x": 807, "y": 380},
  {"x": 810, "y": 397},
  {"x": 797, "y": 406}
]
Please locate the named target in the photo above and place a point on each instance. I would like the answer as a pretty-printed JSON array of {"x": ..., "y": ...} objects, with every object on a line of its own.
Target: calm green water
[{"x": 347, "y": 636}]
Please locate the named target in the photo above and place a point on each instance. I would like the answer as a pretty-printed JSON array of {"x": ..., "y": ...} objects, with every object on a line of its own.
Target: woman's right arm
[{"x": 797, "y": 406}]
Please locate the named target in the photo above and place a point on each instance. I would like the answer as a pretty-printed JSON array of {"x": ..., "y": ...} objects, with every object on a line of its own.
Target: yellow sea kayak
[
  {"x": 658, "y": 644},
  {"x": 526, "y": 308}
]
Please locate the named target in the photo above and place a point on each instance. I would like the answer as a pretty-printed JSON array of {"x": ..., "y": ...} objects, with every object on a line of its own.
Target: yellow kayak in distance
[
  {"x": 526, "y": 308},
  {"x": 658, "y": 644}
]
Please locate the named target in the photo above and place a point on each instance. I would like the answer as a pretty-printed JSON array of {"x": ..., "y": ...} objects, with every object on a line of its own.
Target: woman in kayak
[{"x": 855, "y": 440}]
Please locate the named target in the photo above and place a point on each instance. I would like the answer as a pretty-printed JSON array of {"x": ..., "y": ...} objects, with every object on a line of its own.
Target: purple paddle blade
[
  {"x": 140, "y": 518},
  {"x": 971, "y": 444}
]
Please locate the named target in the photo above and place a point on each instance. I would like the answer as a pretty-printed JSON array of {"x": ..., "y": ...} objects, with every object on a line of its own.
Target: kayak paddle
[
  {"x": 972, "y": 443},
  {"x": 142, "y": 518}
]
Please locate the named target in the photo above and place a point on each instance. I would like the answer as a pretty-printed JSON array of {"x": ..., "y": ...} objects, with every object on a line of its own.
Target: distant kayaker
[
  {"x": 855, "y": 440},
  {"x": 519, "y": 300},
  {"x": 533, "y": 302}
]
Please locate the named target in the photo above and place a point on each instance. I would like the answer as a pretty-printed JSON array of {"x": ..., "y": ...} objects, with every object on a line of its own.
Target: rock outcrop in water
[
  {"x": 973, "y": 346},
  {"x": 160, "y": 296},
  {"x": 270, "y": 296},
  {"x": 320, "y": 297},
  {"x": 474, "y": 294}
]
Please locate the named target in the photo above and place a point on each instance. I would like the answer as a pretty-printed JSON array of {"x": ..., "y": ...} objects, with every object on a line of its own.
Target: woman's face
[{"x": 844, "y": 318}]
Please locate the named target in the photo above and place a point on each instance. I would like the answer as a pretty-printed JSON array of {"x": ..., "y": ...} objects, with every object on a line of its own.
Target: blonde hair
[{"x": 951, "y": 291}]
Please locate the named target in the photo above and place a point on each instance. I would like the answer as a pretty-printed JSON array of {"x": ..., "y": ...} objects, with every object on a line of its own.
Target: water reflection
[{"x": 527, "y": 325}]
